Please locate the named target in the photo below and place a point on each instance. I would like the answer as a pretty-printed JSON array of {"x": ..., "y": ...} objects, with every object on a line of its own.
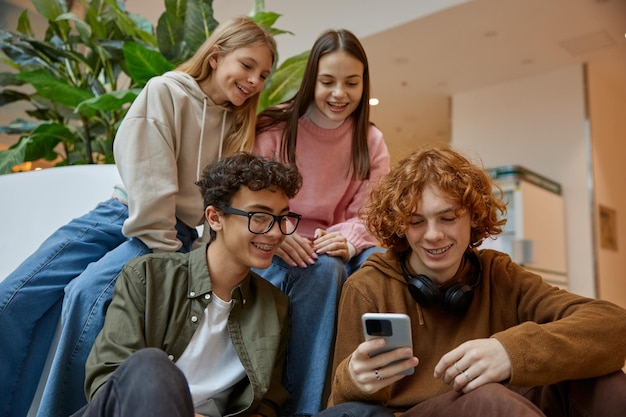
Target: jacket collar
[{"x": 200, "y": 282}]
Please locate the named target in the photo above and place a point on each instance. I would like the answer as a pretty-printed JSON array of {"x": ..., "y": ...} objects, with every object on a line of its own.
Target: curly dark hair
[
  {"x": 222, "y": 179},
  {"x": 397, "y": 195}
]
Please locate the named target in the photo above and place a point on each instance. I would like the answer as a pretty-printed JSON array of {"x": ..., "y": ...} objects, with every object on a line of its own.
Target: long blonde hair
[{"x": 238, "y": 32}]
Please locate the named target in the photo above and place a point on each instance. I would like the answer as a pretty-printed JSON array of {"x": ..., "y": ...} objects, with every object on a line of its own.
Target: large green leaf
[
  {"x": 11, "y": 96},
  {"x": 170, "y": 36},
  {"x": 177, "y": 7},
  {"x": 145, "y": 31},
  {"x": 83, "y": 29},
  {"x": 56, "y": 53},
  {"x": 39, "y": 145},
  {"x": 267, "y": 20},
  {"x": 30, "y": 54},
  {"x": 95, "y": 18},
  {"x": 128, "y": 26},
  {"x": 18, "y": 127},
  {"x": 13, "y": 156},
  {"x": 22, "y": 54},
  {"x": 54, "y": 88},
  {"x": 199, "y": 23},
  {"x": 51, "y": 9},
  {"x": 107, "y": 102},
  {"x": 23, "y": 25},
  {"x": 44, "y": 139},
  {"x": 284, "y": 82},
  {"x": 9, "y": 78},
  {"x": 143, "y": 63}
]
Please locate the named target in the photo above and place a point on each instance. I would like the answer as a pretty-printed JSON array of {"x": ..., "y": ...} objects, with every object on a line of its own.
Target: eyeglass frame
[{"x": 291, "y": 215}]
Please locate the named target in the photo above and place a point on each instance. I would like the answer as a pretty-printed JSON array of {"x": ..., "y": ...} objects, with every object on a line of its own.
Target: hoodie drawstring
[
  {"x": 198, "y": 168},
  {"x": 219, "y": 152},
  {"x": 201, "y": 141}
]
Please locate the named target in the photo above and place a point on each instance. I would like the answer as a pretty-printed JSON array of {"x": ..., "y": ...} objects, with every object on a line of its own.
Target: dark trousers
[
  {"x": 147, "y": 384},
  {"x": 604, "y": 396}
]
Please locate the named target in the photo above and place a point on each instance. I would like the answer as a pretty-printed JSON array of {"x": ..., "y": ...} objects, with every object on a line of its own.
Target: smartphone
[{"x": 395, "y": 328}]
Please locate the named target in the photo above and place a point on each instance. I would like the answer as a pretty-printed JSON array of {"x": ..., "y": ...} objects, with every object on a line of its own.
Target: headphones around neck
[{"x": 455, "y": 299}]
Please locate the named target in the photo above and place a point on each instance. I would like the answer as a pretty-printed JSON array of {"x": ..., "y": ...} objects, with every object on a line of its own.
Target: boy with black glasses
[{"x": 199, "y": 333}]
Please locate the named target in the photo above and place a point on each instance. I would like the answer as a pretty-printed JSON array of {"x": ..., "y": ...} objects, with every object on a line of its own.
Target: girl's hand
[
  {"x": 474, "y": 363},
  {"x": 371, "y": 374},
  {"x": 297, "y": 251},
  {"x": 333, "y": 244}
]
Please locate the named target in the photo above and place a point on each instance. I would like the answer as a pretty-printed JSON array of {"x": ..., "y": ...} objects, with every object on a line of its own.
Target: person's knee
[
  {"x": 495, "y": 399},
  {"x": 329, "y": 266},
  {"x": 601, "y": 396},
  {"x": 356, "y": 409},
  {"x": 148, "y": 358},
  {"x": 147, "y": 377},
  {"x": 151, "y": 365}
]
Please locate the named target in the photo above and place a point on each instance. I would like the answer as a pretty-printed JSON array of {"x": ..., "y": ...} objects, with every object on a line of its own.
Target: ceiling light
[{"x": 374, "y": 101}]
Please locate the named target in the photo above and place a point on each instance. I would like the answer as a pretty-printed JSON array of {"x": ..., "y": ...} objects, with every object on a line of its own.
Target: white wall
[
  {"x": 540, "y": 123},
  {"x": 607, "y": 104}
]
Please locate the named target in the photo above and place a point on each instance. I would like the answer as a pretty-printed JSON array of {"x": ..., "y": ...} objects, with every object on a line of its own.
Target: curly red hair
[{"x": 396, "y": 196}]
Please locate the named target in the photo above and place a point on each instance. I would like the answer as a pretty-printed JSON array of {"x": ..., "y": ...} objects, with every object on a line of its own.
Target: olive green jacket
[{"x": 158, "y": 302}]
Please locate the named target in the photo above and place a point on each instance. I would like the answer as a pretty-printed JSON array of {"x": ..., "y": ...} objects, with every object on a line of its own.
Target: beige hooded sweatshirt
[{"x": 171, "y": 131}]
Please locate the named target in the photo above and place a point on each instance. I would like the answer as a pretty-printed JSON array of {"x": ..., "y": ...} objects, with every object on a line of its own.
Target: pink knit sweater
[{"x": 329, "y": 198}]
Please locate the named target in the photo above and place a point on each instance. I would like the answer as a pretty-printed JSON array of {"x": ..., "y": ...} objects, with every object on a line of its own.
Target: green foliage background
[{"x": 86, "y": 71}]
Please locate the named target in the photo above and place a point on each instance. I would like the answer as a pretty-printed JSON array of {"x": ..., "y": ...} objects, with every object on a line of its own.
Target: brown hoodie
[{"x": 549, "y": 334}]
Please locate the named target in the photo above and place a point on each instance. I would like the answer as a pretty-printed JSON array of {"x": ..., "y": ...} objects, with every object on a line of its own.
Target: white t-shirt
[{"x": 210, "y": 362}]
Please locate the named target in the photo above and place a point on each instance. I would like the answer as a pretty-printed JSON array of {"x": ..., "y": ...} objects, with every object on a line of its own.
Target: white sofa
[{"x": 35, "y": 204}]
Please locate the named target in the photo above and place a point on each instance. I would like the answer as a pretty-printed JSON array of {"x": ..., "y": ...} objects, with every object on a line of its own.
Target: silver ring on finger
[
  {"x": 377, "y": 374},
  {"x": 467, "y": 375}
]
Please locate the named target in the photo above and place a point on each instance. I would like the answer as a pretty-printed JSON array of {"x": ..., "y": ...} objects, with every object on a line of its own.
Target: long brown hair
[
  {"x": 235, "y": 33},
  {"x": 289, "y": 112}
]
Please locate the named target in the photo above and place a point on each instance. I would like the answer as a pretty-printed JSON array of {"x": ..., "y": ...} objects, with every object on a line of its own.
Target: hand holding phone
[{"x": 394, "y": 328}]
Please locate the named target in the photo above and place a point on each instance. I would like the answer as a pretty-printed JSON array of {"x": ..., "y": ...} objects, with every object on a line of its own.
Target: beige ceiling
[{"x": 418, "y": 66}]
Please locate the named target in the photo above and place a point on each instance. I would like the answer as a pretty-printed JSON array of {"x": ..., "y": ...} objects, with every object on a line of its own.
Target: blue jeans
[
  {"x": 138, "y": 388},
  {"x": 314, "y": 297},
  {"x": 71, "y": 276}
]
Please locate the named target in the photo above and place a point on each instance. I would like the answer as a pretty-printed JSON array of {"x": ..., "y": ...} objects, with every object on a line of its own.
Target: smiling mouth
[
  {"x": 438, "y": 251},
  {"x": 263, "y": 246},
  {"x": 338, "y": 106},
  {"x": 243, "y": 90}
]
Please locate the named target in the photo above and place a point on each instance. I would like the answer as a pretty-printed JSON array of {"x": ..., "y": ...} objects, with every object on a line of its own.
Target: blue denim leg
[
  {"x": 84, "y": 307},
  {"x": 30, "y": 299},
  {"x": 85, "y": 303},
  {"x": 314, "y": 295}
]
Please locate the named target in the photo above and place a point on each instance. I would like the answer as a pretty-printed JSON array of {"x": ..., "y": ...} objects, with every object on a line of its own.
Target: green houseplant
[{"x": 81, "y": 77}]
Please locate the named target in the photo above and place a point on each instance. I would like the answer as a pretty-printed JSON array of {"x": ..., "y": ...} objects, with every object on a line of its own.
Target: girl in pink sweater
[{"x": 325, "y": 130}]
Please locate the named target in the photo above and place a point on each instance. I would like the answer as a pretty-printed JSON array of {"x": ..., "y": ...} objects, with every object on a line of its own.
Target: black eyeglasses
[{"x": 260, "y": 222}]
